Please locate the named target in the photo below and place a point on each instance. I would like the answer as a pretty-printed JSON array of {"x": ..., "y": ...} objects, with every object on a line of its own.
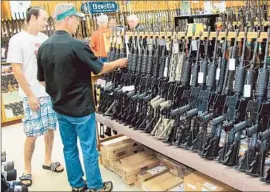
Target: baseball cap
[{"x": 64, "y": 10}]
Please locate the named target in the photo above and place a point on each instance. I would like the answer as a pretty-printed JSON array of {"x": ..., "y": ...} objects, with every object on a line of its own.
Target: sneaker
[
  {"x": 82, "y": 189},
  {"x": 107, "y": 187}
]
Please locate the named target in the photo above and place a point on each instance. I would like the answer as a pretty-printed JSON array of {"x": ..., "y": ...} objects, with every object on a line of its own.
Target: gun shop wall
[{"x": 191, "y": 112}]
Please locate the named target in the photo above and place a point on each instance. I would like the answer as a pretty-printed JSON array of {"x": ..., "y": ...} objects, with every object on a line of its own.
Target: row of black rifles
[
  {"x": 9, "y": 181},
  {"x": 207, "y": 96}
]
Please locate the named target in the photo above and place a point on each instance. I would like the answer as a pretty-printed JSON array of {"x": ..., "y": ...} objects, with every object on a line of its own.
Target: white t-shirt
[{"x": 23, "y": 49}]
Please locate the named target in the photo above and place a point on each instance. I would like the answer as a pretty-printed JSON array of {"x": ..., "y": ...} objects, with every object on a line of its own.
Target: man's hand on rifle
[{"x": 122, "y": 62}]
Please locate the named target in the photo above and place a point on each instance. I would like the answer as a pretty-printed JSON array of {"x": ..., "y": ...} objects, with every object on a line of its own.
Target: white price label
[
  {"x": 144, "y": 188},
  {"x": 156, "y": 170},
  {"x": 127, "y": 50},
  {"x": 128, "y": 88},
  {"x": 232, "y": 64},
  {"x": 200, "y": 77},
  {"x": 103, "y": 83},
  {"x": 126, "y": 38},
  {"x": 139, "y": 49},
  {"x": 99, "y": 81},
  {"x": 179, "y": 188},
  {"x": 190, "y": 79},
  {"x": 247, "y": 90},
  {"x": 194, "y": 45},
  {"x": 210, "y": 186},
  {"x": 9, "y": 113},
  {"x": 217, "y": 73},
  {"x": 193, "y": 187},
  {"x": 162, "y": 42},
  {"x": 175, "y": 48},
  {"x": 168, "y": 45},
  {"x": 165, "y": 74},
  {"x": 3, "y": 51}
]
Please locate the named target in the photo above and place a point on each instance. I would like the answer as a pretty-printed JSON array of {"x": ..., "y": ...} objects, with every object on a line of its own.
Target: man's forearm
[
  {"x": 23, "y": 83},
  {"x": 109, "y": 67}
]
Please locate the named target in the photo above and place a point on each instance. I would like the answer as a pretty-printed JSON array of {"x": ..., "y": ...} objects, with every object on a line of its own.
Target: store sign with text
[
  {"x": 99, "y": 7},
  {"x": 214, "y": 7}
]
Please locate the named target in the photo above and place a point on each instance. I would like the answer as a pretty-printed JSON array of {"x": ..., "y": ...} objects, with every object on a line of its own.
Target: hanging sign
[
  {"x": 185, "y": 8},
  {"x": 18, "y": 8},
  {"x": 99, "y": 7},
  {"x": 214, "y": 7}
]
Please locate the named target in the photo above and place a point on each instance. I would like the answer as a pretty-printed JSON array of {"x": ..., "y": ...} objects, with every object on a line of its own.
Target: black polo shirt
[{"x": 65, "y": 64}]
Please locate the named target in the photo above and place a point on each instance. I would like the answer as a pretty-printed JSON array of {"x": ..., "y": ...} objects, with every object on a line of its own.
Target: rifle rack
[
  {"x": 213, "y": 169},
  {"x": 181, "y": 35}
]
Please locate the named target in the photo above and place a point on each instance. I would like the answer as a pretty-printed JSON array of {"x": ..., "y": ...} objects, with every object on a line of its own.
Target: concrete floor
[{"x": 13, "y": 142}]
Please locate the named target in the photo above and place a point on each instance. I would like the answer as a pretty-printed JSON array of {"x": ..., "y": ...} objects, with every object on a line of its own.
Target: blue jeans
[
  {"x": 84, "y": 128},
  {"x": 103, "y": 59}
]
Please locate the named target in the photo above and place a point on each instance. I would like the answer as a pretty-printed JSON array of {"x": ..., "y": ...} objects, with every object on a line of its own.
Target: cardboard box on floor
[
  {"x": 197, "y": 181},
  {"x": 176, "y": 168},
  {"x": 116, "y": 166},
  {"x": 116, "y": 149},
  {"x": 105, "y": 161},
  {"x": 150, "y": 174},
  {"x": 130, "y": 172},
  {"x": 129, "y": 167},
  {"x": 136, "y": 158},
  {"x": 163, "y": 182}
]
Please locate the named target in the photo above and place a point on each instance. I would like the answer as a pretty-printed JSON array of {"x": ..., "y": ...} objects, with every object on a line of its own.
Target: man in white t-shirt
[{"x": 39, "y": 117}]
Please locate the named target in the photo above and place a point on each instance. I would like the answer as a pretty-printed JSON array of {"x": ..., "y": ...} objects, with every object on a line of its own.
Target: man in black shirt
[{"x": 64, "y": 67}]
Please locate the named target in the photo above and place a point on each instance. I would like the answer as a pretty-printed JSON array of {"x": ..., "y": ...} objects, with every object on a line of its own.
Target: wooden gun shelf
[{"x": 213, "y": 169}]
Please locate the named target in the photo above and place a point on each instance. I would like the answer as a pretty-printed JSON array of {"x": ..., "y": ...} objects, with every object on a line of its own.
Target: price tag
[
  {"x": 217, "y": 73},
  {"x": 139, "y": 49},
  {"x": 232, "y": 64},
  {"x": 165, "y": 74},
  {"x": 162, "y": 42},
  {"x": 127, "y": 50},
  {"x": 210, "y": 186},
  {"x": 3, "y": 51},
  {"x": 9, "y": 113},
  {"x": 157, "y": 170},
  {"x": 194, "y": 45},
  {"x": 247, "y": 90},
  {"x": 190, "y": 79},
  {"x": 99, "y": 81},
  {"x": 200, "y": 77},
  {"x": 179, "y": 188},
  {"x": 103, "y": 83},
  {"x": 175, "y": 48},
  {"x": 126, "y": 38},
  {"x": 128, "y": 88}
]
